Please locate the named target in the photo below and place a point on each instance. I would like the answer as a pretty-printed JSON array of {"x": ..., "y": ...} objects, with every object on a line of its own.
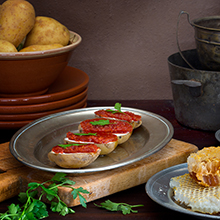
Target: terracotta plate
[
  {"x": 30, "y": 117},
  {"x": 71, "y": 82},
  {"x": 35, "y": 115},
  {"x": 6, "y": 110}
]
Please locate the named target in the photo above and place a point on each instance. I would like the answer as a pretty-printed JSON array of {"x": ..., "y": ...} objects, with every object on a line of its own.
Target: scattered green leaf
[
  {"x": 123, "y": 207},
  {"x": 59, "y": 177},
  {"x": 77, "y": 192},
  {"x": 34, "y": 208}
]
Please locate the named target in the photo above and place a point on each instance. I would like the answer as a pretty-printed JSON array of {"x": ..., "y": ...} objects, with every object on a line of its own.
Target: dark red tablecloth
[{"x": 136, "y": 195}]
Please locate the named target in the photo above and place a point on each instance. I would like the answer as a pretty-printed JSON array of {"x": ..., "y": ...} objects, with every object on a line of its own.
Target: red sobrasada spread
[
  {"x": 75, "y": 148},
  {"x": 96, "y": 138},
  {"x": 125, "y": 116},
  {"x": 108, "y": 126}
]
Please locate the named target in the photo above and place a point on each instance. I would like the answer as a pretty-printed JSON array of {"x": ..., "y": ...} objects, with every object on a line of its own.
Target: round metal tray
[{"x": 32, "y": 143}]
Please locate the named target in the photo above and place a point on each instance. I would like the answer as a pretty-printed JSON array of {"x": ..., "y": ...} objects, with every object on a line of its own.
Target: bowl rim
[{"x": 75, "y": 40}]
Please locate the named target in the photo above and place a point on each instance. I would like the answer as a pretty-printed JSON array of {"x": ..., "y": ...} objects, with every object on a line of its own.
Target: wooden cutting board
[{"x": 15, "y": 176}]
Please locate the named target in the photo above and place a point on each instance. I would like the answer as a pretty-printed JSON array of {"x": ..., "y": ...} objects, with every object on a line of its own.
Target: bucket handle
[
  {"x": 177, "y": 40},
  {"x": 195, "y": 87}
]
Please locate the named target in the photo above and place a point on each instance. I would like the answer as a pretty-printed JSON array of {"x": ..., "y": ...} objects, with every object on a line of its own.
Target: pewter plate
[
  {"x": 32, "y": 143},
  {"x": 217, "y": 135},
  {"x": 157, "y": 188}
]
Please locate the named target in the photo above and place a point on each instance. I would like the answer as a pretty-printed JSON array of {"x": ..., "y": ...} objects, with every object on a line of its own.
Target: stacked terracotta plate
[{"x": 68, "y": 92}]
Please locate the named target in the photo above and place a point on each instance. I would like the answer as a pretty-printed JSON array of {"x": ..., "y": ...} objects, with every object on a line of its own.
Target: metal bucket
[
  {"x": 196, "y": 92},
  {"x": 207, "y": 38}
]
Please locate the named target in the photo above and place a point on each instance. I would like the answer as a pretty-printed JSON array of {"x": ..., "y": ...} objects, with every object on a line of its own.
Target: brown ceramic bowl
[{"x": 31, "y": 73}]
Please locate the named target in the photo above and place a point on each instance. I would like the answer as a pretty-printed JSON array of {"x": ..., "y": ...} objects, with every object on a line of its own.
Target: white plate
[
  {"x": 31, "y": 144},
  {"x": 157, "y": 188}
]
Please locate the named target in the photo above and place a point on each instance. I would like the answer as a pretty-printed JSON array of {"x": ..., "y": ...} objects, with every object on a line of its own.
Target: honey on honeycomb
[
  {"x": 204, "y": 166},
  {"x": 198, "y": 198}
]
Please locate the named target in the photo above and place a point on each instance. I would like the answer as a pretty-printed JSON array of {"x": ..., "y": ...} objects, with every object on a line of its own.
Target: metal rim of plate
[
  {"x": 217, "y": 135},
  {"x": 157, "y": 188},
  {"x": 27, "y": 137}
]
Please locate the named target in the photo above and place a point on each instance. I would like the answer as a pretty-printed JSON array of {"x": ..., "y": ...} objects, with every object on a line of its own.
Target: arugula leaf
[
  {"x": 123, "y": 207},
  {"x": 85, "y": 134},
  {"x": 100, "y": 122}
]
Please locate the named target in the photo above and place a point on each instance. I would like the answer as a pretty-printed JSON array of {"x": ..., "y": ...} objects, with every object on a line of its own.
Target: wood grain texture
[{"x": 100, "y": 184}]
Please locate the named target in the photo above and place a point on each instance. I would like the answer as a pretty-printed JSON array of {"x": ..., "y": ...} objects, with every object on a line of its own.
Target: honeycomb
[
  {"x": 204, "y": 166},
  {"x": 199, "y": 198}
]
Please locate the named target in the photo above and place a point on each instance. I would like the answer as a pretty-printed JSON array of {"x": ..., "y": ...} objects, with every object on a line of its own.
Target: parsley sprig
[
  {"x": 123, "y": 207},
  {"x": 117, "y": 109},
  {"x": 85, "y": 134},
  {"x": 34, "y": 208},
  {"x": 69, "y": 145},
  {"x": 100, "y": 122}
]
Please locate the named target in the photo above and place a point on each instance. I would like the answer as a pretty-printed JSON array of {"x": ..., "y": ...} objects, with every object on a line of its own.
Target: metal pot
[
  {"x": 196, "y": 92},
  {"x": 207, "y": 38}
]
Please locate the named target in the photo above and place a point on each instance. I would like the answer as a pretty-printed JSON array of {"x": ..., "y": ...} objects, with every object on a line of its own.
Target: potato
[
  {"x": 105, "y": 148},
  {"x": 123, "y": 130},
  {"x": 17, "y": 18},
  {"x": 122, "y": 138},
  {"x": 136, "y": 124},
  {"x": 73, "y": 160},
  {"x": 33, "y": 48},
  {"x": 47, "y": 31},
  {"x": 6, "y": 46}
]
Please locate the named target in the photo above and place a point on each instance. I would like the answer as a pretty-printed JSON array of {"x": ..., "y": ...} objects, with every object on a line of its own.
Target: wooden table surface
[{"x": 136, "y": 195}]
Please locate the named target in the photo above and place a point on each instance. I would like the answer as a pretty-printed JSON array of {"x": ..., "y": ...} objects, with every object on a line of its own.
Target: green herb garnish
[
  {"x": 123, "y": 207},
  {"x": 85, "y": 134},
  {"x": 100, "y": 122},
  {"x": 117, "y": 107},
  {"x": 34, "y": 208},
  {"x": 69, "y": 145}
]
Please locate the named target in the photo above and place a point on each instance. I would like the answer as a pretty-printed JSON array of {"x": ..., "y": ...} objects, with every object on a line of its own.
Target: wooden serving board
[{"x": 16, "y": 176}]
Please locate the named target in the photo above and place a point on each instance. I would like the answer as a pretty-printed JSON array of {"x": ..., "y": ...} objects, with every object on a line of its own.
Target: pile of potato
[{"x": 20, "y": 28}]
